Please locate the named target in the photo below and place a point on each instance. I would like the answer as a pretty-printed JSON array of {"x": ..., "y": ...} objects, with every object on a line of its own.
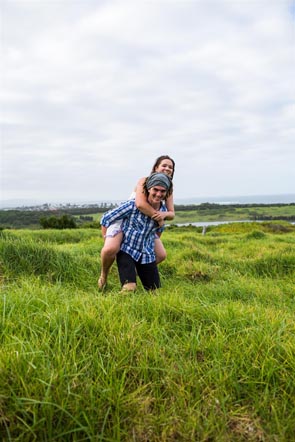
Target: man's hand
[{"x": 103, "y": 231}]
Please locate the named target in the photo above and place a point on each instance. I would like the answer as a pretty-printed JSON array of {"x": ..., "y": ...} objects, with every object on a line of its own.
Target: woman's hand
[{"x": 159, "y": 217}]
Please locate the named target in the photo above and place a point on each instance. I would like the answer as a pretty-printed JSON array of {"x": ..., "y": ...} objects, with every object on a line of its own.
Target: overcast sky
[{"x": 92, "y": 91}]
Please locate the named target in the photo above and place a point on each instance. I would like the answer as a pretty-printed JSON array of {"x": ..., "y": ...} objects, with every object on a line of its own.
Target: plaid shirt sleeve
[{"x": 118, "y": 213}]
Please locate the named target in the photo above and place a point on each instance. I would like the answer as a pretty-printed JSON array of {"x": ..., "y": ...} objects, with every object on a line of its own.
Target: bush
[{"x": 53, "y": 222}]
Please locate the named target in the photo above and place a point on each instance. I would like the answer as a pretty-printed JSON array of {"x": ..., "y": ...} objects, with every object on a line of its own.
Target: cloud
[{"x": 93, "y": 92}]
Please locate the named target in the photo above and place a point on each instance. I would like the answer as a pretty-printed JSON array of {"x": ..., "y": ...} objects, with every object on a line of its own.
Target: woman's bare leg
[
  {"x": 108, "y": 254},
  {"x": 160, "y": 251}
]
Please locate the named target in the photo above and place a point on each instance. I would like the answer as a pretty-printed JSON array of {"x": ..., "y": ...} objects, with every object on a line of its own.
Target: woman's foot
[{"x": 102, "y": 282}]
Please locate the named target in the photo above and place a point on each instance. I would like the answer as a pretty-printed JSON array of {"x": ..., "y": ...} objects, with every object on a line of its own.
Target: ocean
[{"x": 240, "y": 199}]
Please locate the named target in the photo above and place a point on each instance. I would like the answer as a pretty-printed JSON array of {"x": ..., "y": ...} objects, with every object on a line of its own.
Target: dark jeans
[{"x": 148, "y": 273}]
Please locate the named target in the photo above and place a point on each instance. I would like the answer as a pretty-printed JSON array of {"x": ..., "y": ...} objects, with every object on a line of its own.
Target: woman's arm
[
  {"x": 160, "y": 216},
  {"x": 170, "y": 214},
  {"x": 146, "y": 208},
  {"x": 141, "y": 201}
]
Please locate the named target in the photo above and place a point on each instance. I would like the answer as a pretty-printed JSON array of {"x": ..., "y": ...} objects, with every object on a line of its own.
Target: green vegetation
[
  {"x": 21, "y": 219},
  {"x": 58, "y": 222},
  {"x": 216, "y": 212},
  {"x": 90, "y": 216},
  {"x": 208, "y": 357}
]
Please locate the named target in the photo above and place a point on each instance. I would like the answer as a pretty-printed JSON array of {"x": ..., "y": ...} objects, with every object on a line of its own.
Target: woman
[{"x": 114, "y": 235}]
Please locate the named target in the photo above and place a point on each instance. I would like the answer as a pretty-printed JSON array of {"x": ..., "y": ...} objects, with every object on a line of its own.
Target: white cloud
[{"x": 93, "y": 90}]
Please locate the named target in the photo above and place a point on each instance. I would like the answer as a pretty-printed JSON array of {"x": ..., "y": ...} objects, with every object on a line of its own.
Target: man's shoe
[{"x": 128, "y": 287}]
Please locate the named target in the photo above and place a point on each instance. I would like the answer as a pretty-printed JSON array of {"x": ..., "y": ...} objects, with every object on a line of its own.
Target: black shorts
[{"x": 148, "y": 273}]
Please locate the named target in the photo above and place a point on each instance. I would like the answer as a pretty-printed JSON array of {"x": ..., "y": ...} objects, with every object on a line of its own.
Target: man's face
[{"x": 156, "y": 194}]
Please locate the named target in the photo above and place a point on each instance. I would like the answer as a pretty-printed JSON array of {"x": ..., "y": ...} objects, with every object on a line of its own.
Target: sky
[{"x": 93, "y": 91}]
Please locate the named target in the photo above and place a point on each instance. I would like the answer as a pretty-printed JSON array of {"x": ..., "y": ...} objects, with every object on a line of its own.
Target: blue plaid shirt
[{"x": 138, "y": 230}]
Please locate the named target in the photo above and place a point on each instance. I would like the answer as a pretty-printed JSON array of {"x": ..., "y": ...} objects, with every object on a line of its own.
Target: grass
[
  {"x": 234, "y": 213},
  {"x": 208, "y": 357}
]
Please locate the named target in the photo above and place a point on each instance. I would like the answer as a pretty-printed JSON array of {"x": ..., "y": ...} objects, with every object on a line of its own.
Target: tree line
[
  {"x": 81, "y": 217},
  {"x": 215, "y": 206}
]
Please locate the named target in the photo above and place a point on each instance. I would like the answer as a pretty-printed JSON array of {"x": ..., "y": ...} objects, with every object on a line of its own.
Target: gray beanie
[{"x": 158, "y": 179}]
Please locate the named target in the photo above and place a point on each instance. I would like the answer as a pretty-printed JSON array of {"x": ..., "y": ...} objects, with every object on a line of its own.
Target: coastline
[{"x": 222, "y": 200}]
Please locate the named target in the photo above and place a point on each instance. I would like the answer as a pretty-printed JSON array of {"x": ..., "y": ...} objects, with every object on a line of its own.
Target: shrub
[{"x": 63, "y": 222}]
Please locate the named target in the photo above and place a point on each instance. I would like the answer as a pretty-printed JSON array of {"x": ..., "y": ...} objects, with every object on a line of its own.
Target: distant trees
[
  {"x": 81, "y": 217},
  {"x": 86, "y": 218},
  {"x": 54, "y": 222}
]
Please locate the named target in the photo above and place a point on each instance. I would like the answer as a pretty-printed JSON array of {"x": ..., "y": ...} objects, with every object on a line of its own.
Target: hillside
[{"x": 208, "y": 357}]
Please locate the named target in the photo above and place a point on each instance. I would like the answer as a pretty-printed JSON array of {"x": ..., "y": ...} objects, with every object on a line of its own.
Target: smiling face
[
  {"x": 165, "y": 166},
  {"x": 156, "y": 195}
]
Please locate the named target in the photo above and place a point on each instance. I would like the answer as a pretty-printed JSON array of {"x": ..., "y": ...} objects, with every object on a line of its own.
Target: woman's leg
[
  {"x": 160, "y": 251},
  {"x": 108, "y": 254}
]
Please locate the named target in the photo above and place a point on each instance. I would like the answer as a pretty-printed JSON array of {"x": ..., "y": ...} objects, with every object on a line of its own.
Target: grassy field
[
  {"x": 208, "y": 357},
  {"x": 226, "y": 213}
]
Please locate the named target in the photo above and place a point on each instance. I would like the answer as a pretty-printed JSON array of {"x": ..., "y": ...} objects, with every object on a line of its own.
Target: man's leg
[
  {"x": 149, "y": 275},
  {"x": 127, "y": 271}
]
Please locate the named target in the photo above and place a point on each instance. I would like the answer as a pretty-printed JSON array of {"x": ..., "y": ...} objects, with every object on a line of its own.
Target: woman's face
[{"x": 166, "y": 166}]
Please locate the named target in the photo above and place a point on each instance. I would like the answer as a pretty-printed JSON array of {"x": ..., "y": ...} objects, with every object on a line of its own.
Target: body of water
[
  {"x": 217, "y": 223},
  {"x": 240, "y": 199},
  {"x": 212, "y": 223}
]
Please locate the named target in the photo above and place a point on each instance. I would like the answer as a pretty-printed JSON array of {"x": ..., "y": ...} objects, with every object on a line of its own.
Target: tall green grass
[
  {"x": 34, "y": 254},
  {"x": 208, "y": 357}
]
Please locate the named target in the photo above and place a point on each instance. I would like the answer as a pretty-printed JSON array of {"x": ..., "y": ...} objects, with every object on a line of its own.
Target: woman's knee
[
  {"x": 161, "y": 258},
  {"x": 110, "y": 250},
  {"x": 111, "y": 246},
  {"x": 161, "y": 254}
]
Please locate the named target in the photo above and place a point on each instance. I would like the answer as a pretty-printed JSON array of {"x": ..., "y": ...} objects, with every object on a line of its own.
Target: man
[{"x": 137, "y": 248}]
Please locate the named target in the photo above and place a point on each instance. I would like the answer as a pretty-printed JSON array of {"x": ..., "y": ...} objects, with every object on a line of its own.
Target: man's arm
[
  {"x": 117, "y": 213},
  {"x": 103, "y": 231}
]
